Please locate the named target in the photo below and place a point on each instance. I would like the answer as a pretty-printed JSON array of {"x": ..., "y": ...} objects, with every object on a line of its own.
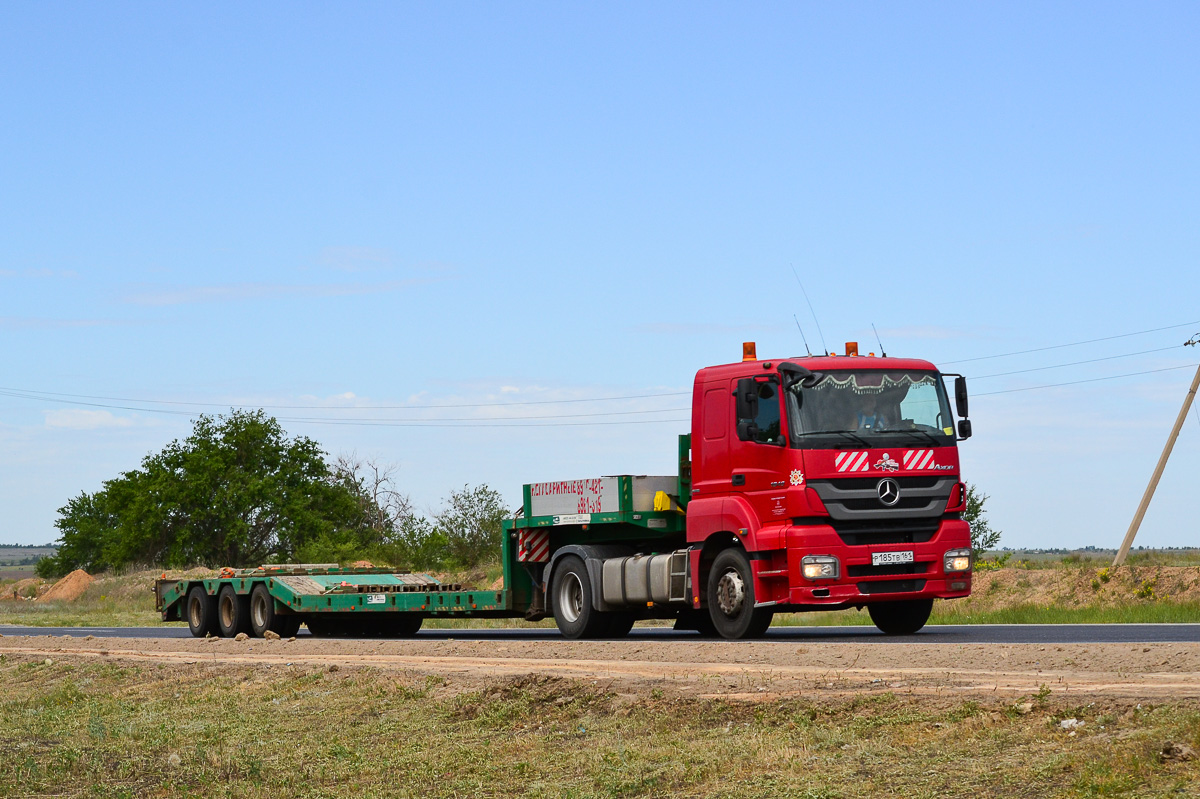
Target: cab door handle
[{"x": 739, "y": 480}]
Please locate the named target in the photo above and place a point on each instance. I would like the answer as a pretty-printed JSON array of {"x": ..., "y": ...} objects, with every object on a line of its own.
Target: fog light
[
  {"x": 958, "y": 585},
  {"x": 957, "y": 560},
  {"x": 819, "y": 567}
]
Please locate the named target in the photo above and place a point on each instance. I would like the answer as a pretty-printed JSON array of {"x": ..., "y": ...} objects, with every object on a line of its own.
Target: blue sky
[{"x": 414, "y": 205}]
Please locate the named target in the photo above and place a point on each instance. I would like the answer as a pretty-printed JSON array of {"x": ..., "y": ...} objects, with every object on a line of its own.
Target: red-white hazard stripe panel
[
  {"x": 919, "y": 459},
  {"x": 533, "y": 546},
  {"x": 852, "y": 462}
]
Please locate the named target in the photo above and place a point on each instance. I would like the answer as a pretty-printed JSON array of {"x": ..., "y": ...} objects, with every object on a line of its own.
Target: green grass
[{"x": 107, "y": 730}]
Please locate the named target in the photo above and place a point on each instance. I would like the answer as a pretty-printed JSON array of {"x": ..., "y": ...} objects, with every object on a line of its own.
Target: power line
[
  {"x": 1074, "y": 363},
  {"x": 1072, "y": 344},
  {"x": 49, "y": 394},
  {"x": 1090, "y": 380},
  {"x": 481, "y": 422},
  {"x": 499, "y": 423}
]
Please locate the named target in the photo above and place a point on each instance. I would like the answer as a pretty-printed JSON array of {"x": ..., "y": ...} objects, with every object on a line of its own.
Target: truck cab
[{"x": 834, "y": 481}]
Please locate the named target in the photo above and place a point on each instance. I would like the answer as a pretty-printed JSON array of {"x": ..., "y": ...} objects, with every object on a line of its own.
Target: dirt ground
[{"x": 733, "y": 670}]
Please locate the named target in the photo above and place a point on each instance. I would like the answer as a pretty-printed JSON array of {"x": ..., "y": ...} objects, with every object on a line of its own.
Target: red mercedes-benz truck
[{"x": 815, "y": 483}]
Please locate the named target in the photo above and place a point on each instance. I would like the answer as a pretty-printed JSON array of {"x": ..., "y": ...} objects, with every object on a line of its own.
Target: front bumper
[{"x": 858, "y": 582}]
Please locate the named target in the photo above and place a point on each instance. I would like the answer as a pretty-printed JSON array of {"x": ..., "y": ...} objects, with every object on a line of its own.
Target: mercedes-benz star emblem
[{"x": 889, "y": 491}]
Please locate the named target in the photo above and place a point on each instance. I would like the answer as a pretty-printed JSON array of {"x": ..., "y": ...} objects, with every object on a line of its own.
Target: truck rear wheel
[
  {"x": 731, "y": 597},
  {"x": 201, "y": 612},
  {"x": 571, "y": 592},
  {"x": 618, "y": 623},
  {"x": 233, "y": 612},
  {"x": 903, "y": 617}
]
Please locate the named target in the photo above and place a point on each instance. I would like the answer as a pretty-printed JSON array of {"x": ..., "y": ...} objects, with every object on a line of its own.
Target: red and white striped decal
[
  {"x": 916, "y": 459},
  {"x": 852, "y": 462},
  {"x": 533, "y": 546}
]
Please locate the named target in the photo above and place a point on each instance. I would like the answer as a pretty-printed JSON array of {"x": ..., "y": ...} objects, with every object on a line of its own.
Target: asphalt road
[{"x": 933, "y": 634}]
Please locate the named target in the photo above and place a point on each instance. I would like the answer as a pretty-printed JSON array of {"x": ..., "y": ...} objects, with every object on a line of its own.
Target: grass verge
[{"x": 109, "y": 730}]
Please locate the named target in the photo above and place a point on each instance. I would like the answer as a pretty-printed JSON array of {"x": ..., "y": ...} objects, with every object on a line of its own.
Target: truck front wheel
[
  {"x": 731, "y": 597},
  {"x": 572, "y": 595},
  {"x": 903, "y": 617}
]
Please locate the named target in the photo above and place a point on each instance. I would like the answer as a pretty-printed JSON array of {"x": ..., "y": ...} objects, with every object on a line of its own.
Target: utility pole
[{"x": 1158, "y": 470}]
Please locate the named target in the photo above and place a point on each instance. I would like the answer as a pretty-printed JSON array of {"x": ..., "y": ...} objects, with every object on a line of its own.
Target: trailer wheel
[
  {"x": 731, "y": 597},
  {"x": 201, "y": 610},
  {"x": 287, "y": 626},
  {"x": 264, "y": 616},
  {"x": 902, "y": 617},
  {"x": 319, "y": 626},
  {"x": 233, "y": 612},
  {"x": 400, "y": 625},
  {"x": 572, "y": 597}
]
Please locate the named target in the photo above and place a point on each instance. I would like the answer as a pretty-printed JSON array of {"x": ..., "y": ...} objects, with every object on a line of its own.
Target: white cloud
[{"x": 75, "y": 419}]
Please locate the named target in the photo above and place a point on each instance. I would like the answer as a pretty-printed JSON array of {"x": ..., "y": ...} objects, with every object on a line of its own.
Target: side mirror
[
  {"x": 960, "y": 396},
  {"x": 964, "y": 429},
  {"x": 747, "y": 430},
  {"x": 793, "y": 373},
  {"x": 747, "y": 399}
]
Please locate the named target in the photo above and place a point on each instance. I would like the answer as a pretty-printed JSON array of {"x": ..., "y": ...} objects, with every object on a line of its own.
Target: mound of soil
[
  {"x": 24, "y": 589},
  {"x": 69, "y": 588}
]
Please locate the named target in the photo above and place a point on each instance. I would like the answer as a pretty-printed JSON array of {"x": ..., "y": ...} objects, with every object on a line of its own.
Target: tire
[
  {"x": 200, "y": 609},
  {"x": 288, "y": 625},
  {"x": 233, "y": 612},
  {"x": 618, "y": 623},
  {"x": 399, "y": 625},
  {"x": 262, "y": 611},
  {"x": 323, "y": 625},
  {"x": 698, "y": 620},
  {"x": 571, "y": 595},
  {"x": 902, "y": 617},
  {"x": 731, "y": 598}
]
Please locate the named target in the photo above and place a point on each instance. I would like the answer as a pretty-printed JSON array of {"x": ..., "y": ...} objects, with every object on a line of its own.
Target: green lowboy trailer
[{"x": 366, "y": 602}]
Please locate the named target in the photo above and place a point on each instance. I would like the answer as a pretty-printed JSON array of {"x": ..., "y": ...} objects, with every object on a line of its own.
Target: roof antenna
[
  {"x": 811, "y": 311},
  {"x": 802, "y": 336},
  {"x": 881, "y": 352}
]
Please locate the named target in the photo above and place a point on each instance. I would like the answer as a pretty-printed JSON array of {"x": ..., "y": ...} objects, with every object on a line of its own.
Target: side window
[{"x": 767, "y": 420}]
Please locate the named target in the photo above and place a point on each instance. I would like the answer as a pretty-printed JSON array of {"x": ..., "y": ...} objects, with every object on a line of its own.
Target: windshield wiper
[
  {"x": 932, "y": 439},
  {"x": 843, "y": 433}
]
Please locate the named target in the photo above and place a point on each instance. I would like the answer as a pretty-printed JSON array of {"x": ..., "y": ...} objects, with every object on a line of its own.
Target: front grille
[
  {"x": 856, "y": 499},
  {"x": 885, "y": 531},
  {"x": 891, "y": 586},
  {"x": 873, "y": 504},
  {"x": 867, "y": 570}
]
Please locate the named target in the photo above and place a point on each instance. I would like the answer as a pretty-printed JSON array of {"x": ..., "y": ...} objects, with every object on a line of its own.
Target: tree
[
  {"x": 983, "y": 537},
  {"x": 236, "y": 492},
  {"x": 471, "y": 523}
]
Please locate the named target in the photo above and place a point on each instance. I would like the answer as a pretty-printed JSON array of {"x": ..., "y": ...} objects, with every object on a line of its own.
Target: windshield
[{"x": 871, "y": 407}]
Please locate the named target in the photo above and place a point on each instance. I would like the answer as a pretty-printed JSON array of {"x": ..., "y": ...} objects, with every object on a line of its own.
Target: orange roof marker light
[
  {"x": 749, "y": 351},
  {"x": 851, "y": 348}
]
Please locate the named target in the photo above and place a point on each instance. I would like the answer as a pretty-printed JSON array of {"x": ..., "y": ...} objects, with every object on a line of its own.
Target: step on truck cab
[{"x": 814, "y": 483}]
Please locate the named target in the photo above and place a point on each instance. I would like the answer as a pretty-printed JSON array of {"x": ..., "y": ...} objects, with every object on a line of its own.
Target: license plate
[{"x": 888, "y": 558}]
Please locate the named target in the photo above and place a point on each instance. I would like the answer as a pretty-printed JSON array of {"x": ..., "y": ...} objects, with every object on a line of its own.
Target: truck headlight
[
  {"x": 819, "y": 567},
  {"x": 957, "y": 560}
]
